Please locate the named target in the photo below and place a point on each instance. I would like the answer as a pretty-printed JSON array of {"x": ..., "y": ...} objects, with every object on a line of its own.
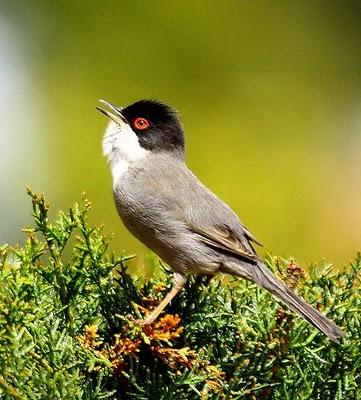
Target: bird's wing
[
  {"x": 225, "y": 239},
  {"x": 194, "y": 205}
]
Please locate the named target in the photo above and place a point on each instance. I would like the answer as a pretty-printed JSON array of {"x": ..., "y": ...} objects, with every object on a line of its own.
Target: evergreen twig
[{"x": 68, "y": 331}]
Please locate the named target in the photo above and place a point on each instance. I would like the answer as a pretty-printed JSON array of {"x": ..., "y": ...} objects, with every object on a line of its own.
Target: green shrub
[{"x": 68, "y": 330}]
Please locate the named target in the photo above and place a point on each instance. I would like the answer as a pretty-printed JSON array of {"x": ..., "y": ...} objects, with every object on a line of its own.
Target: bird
[{"x": 165, "y": 206}]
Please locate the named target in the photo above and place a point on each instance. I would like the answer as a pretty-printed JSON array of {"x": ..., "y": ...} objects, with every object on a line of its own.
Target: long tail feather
[{"x": 261, "y": 275}]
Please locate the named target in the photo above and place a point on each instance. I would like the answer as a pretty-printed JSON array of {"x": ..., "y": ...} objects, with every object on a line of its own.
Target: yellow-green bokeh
[{"x": 269, "y": 94}]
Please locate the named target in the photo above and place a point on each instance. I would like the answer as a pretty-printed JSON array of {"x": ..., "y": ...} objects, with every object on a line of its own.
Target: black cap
[{"x": 157, "y": 126}]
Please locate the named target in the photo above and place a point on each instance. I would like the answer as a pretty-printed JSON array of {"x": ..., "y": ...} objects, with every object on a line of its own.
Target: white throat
[{"x": 122, "y": 148}]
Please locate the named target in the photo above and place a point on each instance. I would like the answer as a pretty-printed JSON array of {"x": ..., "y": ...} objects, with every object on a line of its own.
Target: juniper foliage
[{"x": 68, "y": 329}]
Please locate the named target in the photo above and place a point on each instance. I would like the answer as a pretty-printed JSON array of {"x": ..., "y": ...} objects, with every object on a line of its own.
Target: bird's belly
[{"x": 179, "y": 248}]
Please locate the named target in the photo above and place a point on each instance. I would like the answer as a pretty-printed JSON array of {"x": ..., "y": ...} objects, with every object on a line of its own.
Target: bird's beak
[{"x": 115, "y": 114}]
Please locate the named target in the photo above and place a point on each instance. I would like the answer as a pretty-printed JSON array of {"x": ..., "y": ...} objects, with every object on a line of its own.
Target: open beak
[{"x": 115, "y": 114}]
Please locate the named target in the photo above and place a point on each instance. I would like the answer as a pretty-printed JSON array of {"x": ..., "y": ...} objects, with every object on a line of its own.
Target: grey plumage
[
  {"x": 167, "y": 208},
  {"x": 166, "y": 214}
]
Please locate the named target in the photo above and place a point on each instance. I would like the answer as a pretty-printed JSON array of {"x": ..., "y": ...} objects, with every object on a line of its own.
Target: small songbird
[{"x": 165, "y": 206}]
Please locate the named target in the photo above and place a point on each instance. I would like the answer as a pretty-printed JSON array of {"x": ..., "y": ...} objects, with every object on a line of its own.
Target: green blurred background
[{"x": 269, "y": 94}]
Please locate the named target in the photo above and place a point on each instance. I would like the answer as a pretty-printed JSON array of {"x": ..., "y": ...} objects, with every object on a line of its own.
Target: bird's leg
[{"x": 179, "y": 281}]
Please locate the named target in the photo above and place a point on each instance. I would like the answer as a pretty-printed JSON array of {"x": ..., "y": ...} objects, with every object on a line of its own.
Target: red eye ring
[{"x": 141, "y": 124}]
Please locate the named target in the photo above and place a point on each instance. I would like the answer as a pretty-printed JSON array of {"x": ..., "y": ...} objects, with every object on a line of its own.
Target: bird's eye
[{"x": 141, "y": 124}]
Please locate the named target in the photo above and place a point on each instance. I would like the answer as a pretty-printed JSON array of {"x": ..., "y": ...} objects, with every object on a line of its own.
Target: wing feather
[{"x": 225, "y": 239}]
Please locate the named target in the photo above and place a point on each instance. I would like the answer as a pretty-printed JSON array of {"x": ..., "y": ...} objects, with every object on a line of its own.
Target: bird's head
[{"x": 142, "y": 127}]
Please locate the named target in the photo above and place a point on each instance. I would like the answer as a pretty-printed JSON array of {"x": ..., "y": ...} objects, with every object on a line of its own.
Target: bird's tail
[{"x": 261, "y": 275}]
